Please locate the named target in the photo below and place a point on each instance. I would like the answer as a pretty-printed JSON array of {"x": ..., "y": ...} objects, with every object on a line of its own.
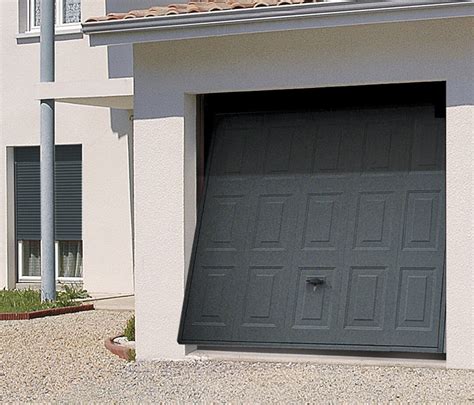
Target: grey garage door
[{"x": 321, "y": 229}]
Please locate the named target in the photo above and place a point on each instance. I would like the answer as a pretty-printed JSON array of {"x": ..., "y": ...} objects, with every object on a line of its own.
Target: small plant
[
  {"x": 129, "y": 331},
  {"x": 124, "y": 345},
  {"x": 132, "y": 354},
  {"x": 73, "y": 292},
  {"x": 68, "y": 295}
]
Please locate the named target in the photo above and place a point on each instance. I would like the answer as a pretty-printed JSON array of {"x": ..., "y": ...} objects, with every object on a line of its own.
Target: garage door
[{"x": 321, "y": 229}]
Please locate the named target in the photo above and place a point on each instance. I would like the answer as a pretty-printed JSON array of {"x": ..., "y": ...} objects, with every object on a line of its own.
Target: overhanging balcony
[{"x": 111, "y": 93}]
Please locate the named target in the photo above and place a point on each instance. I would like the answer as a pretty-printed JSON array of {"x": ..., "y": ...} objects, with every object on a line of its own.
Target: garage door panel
[
  {"x": 373, "y": 230},
  {"x": 262, "y": 305},
  {"x": 421, "y": 264},
  {"x": 322, "y": 221},
  {"x": 365, "y": 297},
  {"x": 427, "y": 146},
  {"x": 271, "y": 222},
  {"x": 385, "y": 146},
  {"x": 366, "y": 315},
  {"x": 210, "y": 303},
  {"x": 416, "y": 298},
  {"x": 223, "y": 231},
  {"x": 285, "y": 146},
  {"x": 337, "y": 145},
  {"x": 323, "y": 228},
  {"x": 312, "y": 309},
  {"x": 272, "y": 205},
  {"x": 418, "y": 308},
  {"x": 213, "y": 299},
  {"x": 264, "y": 287},
  {"x": 230, "y": 153},
  {"x": 330, "y": 148},
  {"x": 278, "y": 148},
  {"x": 272, "y": 212},
  {"x": 374, "y": 202},
  {"x": 373, "y": 224},
  {"x": 421, "y": 227},
  {"x": 238, "y": 151}
]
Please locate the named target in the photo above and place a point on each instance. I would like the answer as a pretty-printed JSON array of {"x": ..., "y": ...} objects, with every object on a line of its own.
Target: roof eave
[{"x": 270, "y": 19}]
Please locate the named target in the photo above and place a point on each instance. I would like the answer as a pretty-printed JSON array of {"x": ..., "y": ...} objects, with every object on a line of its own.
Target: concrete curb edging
[
  {"x": 120, "y": 350},
  {"x": 11, "y": 316}
]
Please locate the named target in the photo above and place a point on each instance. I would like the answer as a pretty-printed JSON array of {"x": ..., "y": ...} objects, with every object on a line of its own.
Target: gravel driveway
[{"x": 63, "y": 359}]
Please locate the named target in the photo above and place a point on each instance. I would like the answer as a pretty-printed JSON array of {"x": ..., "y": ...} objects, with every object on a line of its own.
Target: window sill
[
  {"x": 74, "y": 32},
  {"x": 25, "y": 280}
]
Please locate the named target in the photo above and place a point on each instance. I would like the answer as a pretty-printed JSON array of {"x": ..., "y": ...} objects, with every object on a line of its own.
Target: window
[
  {"x": 68, "y": 259},
  {"x": 68, "y": 206},
  {"x": 67, "y": 12},
  {"x": 29, "y": 252}
]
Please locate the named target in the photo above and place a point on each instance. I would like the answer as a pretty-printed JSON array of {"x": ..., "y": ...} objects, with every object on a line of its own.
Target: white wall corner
[
  {"x": 460, "y": 237},
  {"x": 159, "y": 235}
]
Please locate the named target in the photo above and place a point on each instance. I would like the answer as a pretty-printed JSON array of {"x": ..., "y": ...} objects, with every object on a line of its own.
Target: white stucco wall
[
  {"x": 167, "y": 75},
  {"x": 104, "y": 135}
]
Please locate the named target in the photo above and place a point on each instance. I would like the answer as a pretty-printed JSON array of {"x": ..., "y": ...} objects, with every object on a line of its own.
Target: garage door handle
[{"x": 315, "y": 281}]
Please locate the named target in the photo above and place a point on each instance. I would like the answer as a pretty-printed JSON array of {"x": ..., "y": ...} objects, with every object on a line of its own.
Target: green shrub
[
  {"x": 129, "y": 331},
  {"x": 21, "y": 301},
  {"x": 28, "y": 300}
]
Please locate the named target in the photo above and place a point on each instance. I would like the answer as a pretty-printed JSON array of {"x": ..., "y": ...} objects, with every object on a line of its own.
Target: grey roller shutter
[
  {"x": 27, "y": 194},
  {"x": 68, "y": 193}
]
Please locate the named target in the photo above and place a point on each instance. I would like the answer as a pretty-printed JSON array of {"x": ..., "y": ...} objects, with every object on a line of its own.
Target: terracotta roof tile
[{"x": 197, "y": 7}]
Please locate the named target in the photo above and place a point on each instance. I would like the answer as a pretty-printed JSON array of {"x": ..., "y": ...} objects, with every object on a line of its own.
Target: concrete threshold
[{"x": 336, "y": 359}]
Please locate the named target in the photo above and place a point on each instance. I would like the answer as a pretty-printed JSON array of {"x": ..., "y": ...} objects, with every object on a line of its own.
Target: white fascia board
[
  {"x": 270, "y": 19},
  {"x": 113, "y": 93}
]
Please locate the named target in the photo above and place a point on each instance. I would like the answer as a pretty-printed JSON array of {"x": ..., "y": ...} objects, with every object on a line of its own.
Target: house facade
[
  {"x": 303, "y": 177},
  {"x": 298, "y": 179},
  {"x": 93, "y": 212}
]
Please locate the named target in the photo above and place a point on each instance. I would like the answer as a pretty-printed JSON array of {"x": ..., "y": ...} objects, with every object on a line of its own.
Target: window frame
[
  {"x": 23, "y": 278},
  {"x": 58, "y": 25}
]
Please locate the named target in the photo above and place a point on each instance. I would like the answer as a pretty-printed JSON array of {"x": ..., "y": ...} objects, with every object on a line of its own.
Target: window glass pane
[
  {"x": 31, "y": 258},
  {"x": 71, "y": 11},
  {"x": 37, "y": 19},
  {"x": 37, "y": 15},
  {"x": 70, "y": 258}
]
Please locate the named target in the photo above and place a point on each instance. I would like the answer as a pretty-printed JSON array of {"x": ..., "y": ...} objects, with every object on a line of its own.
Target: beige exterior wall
[
  {"x": 167, "y": 75},
  {"x": 103, "y": 133}
]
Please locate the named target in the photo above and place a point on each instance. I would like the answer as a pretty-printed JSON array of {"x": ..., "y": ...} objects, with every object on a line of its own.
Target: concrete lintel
[{"x": 112, "y": 93}]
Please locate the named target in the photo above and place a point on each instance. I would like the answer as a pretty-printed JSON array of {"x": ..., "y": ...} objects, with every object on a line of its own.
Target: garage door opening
[{"x": 321, "y": 221}]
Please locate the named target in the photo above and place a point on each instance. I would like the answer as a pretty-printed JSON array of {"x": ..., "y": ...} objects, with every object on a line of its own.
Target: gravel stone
[{"x": 63, "y": 359}]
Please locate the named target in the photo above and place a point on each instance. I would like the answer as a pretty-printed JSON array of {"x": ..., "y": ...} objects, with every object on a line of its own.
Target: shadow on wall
[
  {"x": 120, "y": 122},
  {"x": 122, "y": 125},
  {"x": 120, "y": 65}
]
